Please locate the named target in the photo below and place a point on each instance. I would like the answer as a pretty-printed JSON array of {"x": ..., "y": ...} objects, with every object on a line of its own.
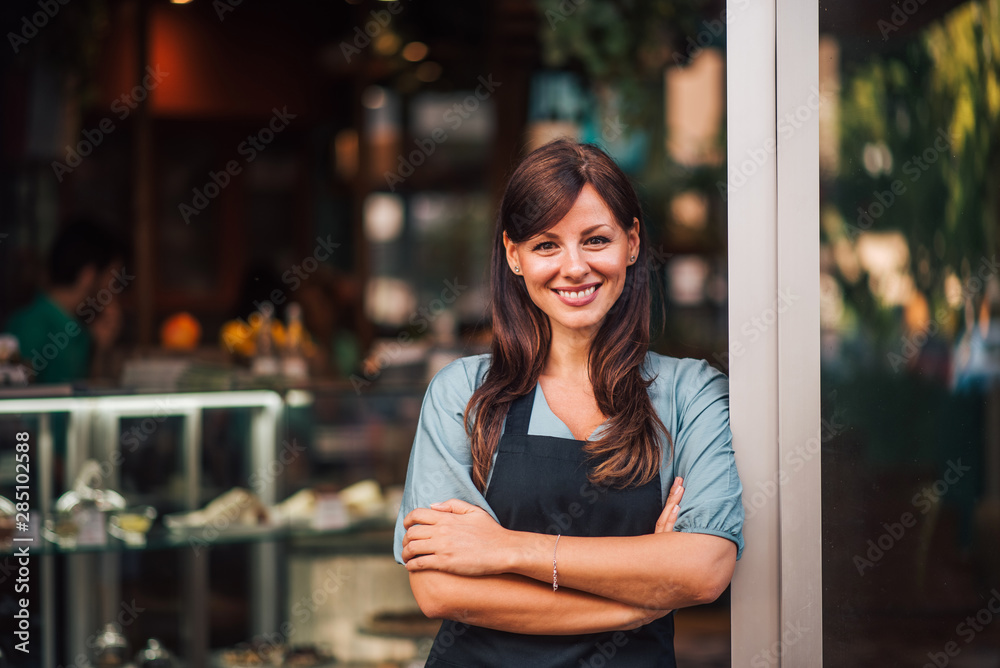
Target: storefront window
[{"x": 909, "y": 212}]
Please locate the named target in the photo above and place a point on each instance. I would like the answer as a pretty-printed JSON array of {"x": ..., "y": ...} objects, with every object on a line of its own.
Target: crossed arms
[{"x": 464, "y": 566}]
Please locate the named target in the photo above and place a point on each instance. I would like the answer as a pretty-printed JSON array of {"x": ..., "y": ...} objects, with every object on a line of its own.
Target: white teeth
[{"x": 577, "y": 295}]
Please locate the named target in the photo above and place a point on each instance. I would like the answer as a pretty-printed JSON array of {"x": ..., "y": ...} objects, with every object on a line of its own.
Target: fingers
[
  {"x": 416, "y": 549},
  {"x": 665, "y": 522},
  {"x": 421, "y": 516},
  {"x": 417, "y": 541},
  {"x": 678, "y": 483},
  {"x": 434, "y": 514},
  {"x": 671, "y": 520},
  {"x": 417, "y": 532},
  {"x": 419, "y": 564},
  {"x": 455, "y": 506}
]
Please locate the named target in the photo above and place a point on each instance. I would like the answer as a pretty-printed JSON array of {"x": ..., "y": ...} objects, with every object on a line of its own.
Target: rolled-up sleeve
[
  {"x": 703, "y": 450},
  {"x": 440, "y": 465}
]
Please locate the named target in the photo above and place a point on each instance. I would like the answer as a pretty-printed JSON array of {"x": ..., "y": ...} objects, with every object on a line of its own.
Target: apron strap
[{"x": 519, "y": 414}]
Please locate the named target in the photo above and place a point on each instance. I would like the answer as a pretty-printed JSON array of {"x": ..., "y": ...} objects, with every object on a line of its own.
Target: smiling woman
[
  {"x": 585, "y": 244},
  {"x": 570, "y": 486}
]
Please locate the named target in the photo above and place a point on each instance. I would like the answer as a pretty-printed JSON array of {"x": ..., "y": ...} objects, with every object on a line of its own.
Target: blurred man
[{"x": 66, "y": 331}]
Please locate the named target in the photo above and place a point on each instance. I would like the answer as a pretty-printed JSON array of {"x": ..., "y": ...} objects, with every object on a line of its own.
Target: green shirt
[{"x": 54, "y": 344}]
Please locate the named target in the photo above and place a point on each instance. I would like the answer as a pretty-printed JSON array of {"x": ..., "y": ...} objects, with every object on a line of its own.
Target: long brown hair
[{"x": 540, "y": 192}]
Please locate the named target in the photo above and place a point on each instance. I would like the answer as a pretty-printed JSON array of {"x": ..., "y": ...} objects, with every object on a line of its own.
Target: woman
[{"x": 536, "y": 518}]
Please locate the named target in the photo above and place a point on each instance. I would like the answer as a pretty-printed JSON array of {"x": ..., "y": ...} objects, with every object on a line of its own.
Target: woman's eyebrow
[{"x": 550, "y": 235}]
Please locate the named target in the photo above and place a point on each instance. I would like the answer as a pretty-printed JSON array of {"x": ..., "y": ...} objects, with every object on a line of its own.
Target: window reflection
[{"x": 910, "y": 139}]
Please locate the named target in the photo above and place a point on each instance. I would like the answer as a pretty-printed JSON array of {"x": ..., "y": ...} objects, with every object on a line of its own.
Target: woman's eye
[
  {"x": 598, "y": 241},
  {"x": 545, "y": 245}
]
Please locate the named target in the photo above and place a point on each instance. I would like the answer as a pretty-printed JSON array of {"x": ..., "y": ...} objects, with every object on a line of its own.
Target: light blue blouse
[{"x": 690, "y": 396}]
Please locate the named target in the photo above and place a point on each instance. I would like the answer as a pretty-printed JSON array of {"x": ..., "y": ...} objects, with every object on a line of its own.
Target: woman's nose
[{"x": 574, "y": 264}]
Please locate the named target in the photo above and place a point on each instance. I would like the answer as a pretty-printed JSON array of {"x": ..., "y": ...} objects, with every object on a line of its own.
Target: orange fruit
[{"x": 180, "y": 331}]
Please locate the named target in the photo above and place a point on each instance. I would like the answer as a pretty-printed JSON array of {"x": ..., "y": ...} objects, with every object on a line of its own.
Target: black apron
[{"x": 539, "y": 484}]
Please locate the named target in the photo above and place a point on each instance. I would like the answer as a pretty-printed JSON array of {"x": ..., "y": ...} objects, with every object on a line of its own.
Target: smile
[
  {"x": 580, "y": 297},
  {"x": 577, "y": 295}
]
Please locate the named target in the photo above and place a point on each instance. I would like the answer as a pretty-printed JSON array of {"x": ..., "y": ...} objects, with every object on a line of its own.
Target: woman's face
[{"x": 575, "y": 270}]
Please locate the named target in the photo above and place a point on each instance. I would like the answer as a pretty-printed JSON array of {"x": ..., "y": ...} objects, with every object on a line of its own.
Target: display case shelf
[
  {"x": 365, "y": 536},
  {"x": 92, "y": 581}
]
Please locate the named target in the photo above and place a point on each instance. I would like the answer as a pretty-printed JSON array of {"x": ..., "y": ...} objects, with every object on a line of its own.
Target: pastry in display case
[{"x": 237, "y": 510}]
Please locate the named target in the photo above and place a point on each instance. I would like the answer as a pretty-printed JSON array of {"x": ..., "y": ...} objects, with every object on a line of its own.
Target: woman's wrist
[{"x": 531, "y": 555}]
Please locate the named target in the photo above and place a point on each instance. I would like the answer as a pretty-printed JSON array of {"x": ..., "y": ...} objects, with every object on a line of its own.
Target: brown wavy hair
[{"x": 540, "y": 192}]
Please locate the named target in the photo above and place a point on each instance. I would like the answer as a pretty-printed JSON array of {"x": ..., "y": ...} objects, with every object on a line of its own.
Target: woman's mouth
[{"x": 579, "y": 297}]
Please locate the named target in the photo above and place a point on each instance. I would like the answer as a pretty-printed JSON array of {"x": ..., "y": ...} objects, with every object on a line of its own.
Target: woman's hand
[
  {"x": 455, "y": 537},
  {"x": 665, "y": 523}
]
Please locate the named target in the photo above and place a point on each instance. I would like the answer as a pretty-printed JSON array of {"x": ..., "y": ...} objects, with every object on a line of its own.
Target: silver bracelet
[{"x": 555, "y": 573}]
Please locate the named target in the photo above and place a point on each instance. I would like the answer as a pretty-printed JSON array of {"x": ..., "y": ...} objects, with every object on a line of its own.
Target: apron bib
[{"x": 539, "y": 484}]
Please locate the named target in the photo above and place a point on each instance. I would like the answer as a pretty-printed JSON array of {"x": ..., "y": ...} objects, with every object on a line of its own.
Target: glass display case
[{"x": 222, "y": 494}]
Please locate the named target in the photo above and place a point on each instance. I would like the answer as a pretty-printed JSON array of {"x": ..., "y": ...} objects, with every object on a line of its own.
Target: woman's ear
[
  {"x": 513, "y": 259},
  {"x": 633, "y": 239}
]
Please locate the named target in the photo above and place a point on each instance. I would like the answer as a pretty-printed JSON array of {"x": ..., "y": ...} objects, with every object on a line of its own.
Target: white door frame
[{"x": 773, "y": 198}]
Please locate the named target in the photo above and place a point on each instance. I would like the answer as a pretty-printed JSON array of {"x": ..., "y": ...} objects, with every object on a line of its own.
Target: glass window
[{"x": 910, "y": 161}]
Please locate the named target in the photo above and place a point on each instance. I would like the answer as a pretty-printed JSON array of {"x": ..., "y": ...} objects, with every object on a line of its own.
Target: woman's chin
[{"x": 577, "y": 326}]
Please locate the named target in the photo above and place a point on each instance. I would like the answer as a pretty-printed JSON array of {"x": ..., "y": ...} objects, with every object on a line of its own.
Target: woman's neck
[{"x": 569, "y": 353}]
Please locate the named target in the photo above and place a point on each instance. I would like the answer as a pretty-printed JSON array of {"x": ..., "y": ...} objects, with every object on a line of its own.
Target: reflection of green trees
[
  {"x": 624, "y": 48},
  {"x": 624, "y": 45},
  {"x": 946, "y": 78}
]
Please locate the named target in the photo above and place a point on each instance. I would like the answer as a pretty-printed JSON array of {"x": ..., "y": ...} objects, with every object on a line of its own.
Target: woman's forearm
[
  {"x": 662, "y": 571},
  {"x": 522, "y": 605}
]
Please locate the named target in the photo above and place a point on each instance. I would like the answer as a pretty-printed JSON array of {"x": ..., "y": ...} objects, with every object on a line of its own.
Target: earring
[
  {"x": 517, "y": 269},
  {"x": 632, "y": 259}
]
